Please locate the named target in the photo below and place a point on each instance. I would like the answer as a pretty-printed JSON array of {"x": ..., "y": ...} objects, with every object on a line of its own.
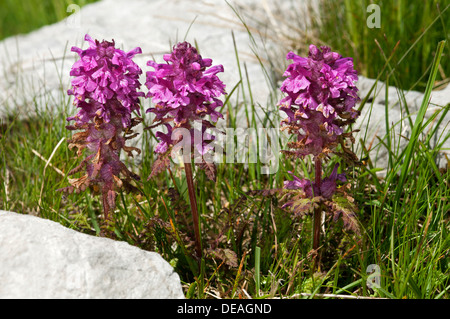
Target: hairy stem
[
  {"x": 318, "y": 210},
  {"x": 193, "y": 201}
]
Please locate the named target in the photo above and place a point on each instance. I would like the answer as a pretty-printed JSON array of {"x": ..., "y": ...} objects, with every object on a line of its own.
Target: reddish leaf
[
  {"x": 161, "y": 163},
  {"x": 210, "y": 170},
  {"x": 343, "y": 208}
]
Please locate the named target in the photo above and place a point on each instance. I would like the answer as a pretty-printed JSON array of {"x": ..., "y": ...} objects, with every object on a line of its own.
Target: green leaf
[
  {"x": 302, "y": 206},
  {"x": 418, "y": 123},
  {"x": 343, "y": 207}
]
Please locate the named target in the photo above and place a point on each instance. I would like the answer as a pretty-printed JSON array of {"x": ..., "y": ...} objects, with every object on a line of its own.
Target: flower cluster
[
  {"x": 326, "y": 189},
  {"x": 105, "y": 83},
  {"x": 321, "y": 94},
  {"x": 320, "y": 98},
  {"x": 184, "y": 89},
  {"x": 105, "y": 87}
]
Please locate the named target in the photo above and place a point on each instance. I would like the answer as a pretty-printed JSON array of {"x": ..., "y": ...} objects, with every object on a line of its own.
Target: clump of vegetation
[{"x": 252, "y": 245}]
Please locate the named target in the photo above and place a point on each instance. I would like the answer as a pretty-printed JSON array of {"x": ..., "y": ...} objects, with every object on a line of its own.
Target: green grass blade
[
  {"x": 418, "y": 124},
  {"x": 257, "y": 270}
]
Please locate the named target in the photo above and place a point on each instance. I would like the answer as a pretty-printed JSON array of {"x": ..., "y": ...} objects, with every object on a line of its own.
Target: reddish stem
[
  {"x": 318, "y": 166},
  {"x": 193, "y": 201},
  {"x": 318, "y": 210}
]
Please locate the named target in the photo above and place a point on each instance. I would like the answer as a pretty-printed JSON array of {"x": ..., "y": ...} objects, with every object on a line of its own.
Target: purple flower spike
[
  {"x": 185, "y": 89},
  {"x": 320, "y": 98},
  {"x": 321, "y": 94},
  {"x": 105, "y": 87},
  {"x": 107, "y": 79},
  {"x": 305, "y": 184}
]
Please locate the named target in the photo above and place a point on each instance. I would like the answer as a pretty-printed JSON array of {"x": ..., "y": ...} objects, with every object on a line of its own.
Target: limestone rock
[
  {"x": 42, "y": 259},
  {"x": 372, "y": 122}
]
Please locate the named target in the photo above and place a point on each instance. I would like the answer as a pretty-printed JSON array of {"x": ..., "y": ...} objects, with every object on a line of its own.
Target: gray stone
[
  {"x": 372, "y": 122},
  {"x": 42, "y": 259}
]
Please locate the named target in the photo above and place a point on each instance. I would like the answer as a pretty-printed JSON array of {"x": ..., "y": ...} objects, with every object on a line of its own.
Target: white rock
[
  {"x": 372, "y": 121},
  {"x": 42, "y": 259}
]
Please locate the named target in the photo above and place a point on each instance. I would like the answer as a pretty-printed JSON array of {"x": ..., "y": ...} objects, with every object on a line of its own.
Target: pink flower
[
  {"x": 105, "y": 87},
  {"x": 184, "y": 89},
  {"x": 321, "y": 91},
  {"x": 106, "y": 79},
  {"x": 320, "y": 96}
]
